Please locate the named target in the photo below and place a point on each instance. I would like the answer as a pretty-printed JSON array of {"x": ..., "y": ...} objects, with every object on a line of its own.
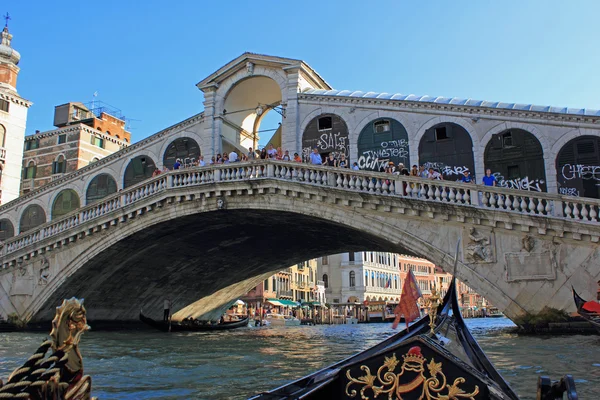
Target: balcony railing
[
  {"x": 56, "y": 177},
  {"x": 287, "y": 293}
]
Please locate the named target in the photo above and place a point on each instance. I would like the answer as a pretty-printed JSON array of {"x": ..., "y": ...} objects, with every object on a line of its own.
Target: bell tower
[{"x": 13, "y": 118}]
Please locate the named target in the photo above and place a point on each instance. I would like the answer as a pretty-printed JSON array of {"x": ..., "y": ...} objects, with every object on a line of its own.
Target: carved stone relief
[
  {"x": 528, "y": 243},
  {"x": 44, "y": 272},
  {"x": 479, "y": 246},
  {"x": 527, "y": 265},
  {"x": 22, "y": 281}
]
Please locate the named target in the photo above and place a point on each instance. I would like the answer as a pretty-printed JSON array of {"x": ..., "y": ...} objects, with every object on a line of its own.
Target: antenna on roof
[{"x": 128, "y": 122}]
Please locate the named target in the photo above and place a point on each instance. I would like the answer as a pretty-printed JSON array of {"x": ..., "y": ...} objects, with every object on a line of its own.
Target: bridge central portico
[
  {"x": 176, "y": 233},
  {"x": 122, "y": 238}
]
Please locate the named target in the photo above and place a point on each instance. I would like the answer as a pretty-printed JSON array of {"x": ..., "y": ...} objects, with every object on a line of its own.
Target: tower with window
[{"x": 13, "y": 117}]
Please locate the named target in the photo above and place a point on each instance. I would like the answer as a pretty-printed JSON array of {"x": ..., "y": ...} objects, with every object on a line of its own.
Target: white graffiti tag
[
  {"x": 580, "y": 171},
  {"x": 520, "y": 183},
  {"x": 567, "y": 191},
  {"x": 372, "y": 163},
  {"x": 333, "y": 141}
]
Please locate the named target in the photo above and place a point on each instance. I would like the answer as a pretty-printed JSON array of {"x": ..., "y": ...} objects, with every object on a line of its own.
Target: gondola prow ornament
[{"x": 59, "y": 376}]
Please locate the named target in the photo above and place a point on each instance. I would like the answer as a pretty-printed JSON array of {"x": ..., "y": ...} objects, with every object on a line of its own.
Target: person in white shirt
[
  {"x": 434, "y": 175},
  {"x": 233, "y": 157},
  {"x": 201, "y": 162},
  {"x": 271, "y": 152}
]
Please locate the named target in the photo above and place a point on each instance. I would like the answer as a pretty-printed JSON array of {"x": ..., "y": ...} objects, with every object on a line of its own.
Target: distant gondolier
[{"x": 167, "y": 310}]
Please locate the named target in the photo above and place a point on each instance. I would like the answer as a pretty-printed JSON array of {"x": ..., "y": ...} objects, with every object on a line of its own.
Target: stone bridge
[{"x": 212, "y": 233}]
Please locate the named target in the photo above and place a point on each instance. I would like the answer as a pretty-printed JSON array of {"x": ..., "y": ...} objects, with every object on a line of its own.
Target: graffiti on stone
[
  {"x": 581, "y": 171},
  {"x": 526, "y": 183},
  {"x": 377, "y": 157},
  {"x": 329, "y": 142},
  {"x": 568, "y": 191}
]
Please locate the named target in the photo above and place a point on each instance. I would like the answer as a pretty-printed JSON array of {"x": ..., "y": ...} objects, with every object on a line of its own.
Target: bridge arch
[
  {"x": 7, "y": 229},
  {"x": 516, "y": 157},
  {"x": 381, "y": 140},
  {"x": 66, "y": 200},
  {"x": 329, "y": 133},
  {"x": 461, "y": 122},
  {"x": 578, "y": 167},
  {"x": 137, "y": 170},
  {"x": 32, "y": 216},
  {"x": 448, "y": 148},
  {"x": 100, "y": 186},
  {"x": 181, "y": 148}
]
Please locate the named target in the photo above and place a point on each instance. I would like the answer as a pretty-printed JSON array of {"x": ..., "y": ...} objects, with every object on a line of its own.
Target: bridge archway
[
  {"x": 138, "y": 170},
  {"x": 448, "y": 148},
  {"x": 329, "y": 134},
  {"x": 184, "y": 148},
  {"x": 578, "y": 167},
  {"x": 516, "y": 158},
  {"x": 31, "y": 217},
  {"x": 66, "y": 201},
  {"x": 100, "y": 186},
  {"x": 7, "y": 229},
  {"x": 383, "y": 140},
  {"x": 245, "y": 105}
]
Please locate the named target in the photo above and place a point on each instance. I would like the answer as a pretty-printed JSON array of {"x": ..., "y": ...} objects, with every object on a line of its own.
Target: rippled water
[{"x": 237, "y": 364}]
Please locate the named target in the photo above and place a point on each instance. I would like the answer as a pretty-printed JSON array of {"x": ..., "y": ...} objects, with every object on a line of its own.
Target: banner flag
[{"x": 408, "y": 301}]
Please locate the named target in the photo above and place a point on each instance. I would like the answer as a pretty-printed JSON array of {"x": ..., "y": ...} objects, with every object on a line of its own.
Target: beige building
[
  {"x": 13, "y": 117},
  {"x": 84, "y": 135}
]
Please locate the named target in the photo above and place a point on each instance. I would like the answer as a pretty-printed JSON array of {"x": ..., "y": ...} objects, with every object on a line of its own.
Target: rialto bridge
[{"x": 202, "y": 236}]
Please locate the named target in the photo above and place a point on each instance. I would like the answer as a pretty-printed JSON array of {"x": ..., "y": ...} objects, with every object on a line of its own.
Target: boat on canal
[
  {"x": 192, "y": 326},
  {"x": 435, "y": 358},
  {"x": 282, "y": 320},
  {"x": 589, "y": 310}
]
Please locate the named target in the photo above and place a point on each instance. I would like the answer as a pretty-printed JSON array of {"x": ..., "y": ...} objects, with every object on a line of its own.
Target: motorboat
[{"x": 282, "y": 320}]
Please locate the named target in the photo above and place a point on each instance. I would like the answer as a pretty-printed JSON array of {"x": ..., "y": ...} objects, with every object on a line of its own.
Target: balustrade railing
[{"x": 454, "y": 193}]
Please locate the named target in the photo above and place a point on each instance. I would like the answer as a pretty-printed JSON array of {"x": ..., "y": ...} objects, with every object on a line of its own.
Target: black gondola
[
  {"x": 415, "y": 364},
  {"x": 192, "y": 327},
  {"x": 591, "y": 316}
]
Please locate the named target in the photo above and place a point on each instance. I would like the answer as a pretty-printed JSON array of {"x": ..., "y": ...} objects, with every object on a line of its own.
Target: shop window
[
  {"x": 325, "y": 123},
  {"x": 382, "y": 126}
]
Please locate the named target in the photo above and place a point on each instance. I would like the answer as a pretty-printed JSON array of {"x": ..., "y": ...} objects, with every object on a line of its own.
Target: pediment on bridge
[{"x": 249, "y": 60}]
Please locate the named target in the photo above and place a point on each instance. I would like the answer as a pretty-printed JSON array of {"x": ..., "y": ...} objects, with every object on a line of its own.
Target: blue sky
[{"x": 145, "y": 58}]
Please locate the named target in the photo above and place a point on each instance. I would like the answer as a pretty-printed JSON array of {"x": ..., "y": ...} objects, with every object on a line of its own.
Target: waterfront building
[
  {"x": 85, "y": 134},
  {"x": 367, "y": 277},
  {"x": 13, "y": 118}
]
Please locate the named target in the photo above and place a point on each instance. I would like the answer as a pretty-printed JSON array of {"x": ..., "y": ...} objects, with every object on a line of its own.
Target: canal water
[{"x": 236, "y": 364}]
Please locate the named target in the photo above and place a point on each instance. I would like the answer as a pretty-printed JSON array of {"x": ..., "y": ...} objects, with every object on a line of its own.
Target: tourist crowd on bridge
[{"x": 315, "y": 158}]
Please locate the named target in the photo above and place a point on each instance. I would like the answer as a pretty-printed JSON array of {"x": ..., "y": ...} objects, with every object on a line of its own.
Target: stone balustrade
[{"x": 584, "y": 210}]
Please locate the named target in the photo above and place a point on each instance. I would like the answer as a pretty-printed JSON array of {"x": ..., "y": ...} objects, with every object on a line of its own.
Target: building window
[
  {"x": 3, "y": 105},
  {"x": 29, "y": 171},
  {"x": 441, "y": 133},
  {"x": 100, "y": 187},
  {"x": 507, "y": 140},
  {"x": 98, "y": 141},
  {"x": 65, "y": 202},
  {"x": 62, "y": 138},
  {"x": 381, "y": 126},
  {"x": 325, "y": 281},
  {"x": 32, "y": 144},
  {"x": 351, "y": 257},
  {"x": 266, "y": 285},
  {"x": 6, "y": 229},
  {"x": 325, "y": 123},
  {"x": 59, "y": 166},
  {"x": 325, "y": 260},
  {"x": 2, "y": 135},
  {"x": 352, "y": 279}
]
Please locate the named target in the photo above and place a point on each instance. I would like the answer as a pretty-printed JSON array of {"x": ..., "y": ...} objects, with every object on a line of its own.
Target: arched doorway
[
  {"x": 578, "y": 167},
  {"x": 6, "y": 229},
  {"x": 101, "y": 186},
  {"x": 447, "y": 148},
  {"x": 248, "y": 104},
  {"x": 381, "y": 141},
  {"x": 328, "y": 133},
  {"x": 138, "y": 170},
  {"x": 186, "y": 149},
  {"x": 66, "y": 201},
  {"x": 516, "y": 159},
  {"x": 32, "y": 216}
]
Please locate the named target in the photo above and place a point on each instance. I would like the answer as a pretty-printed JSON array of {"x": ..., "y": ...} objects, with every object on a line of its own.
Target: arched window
[
  {"x": 516, "y": 159},
  {"x": 328, "y": 133},
  {"x": 352, "y": 277},
  {"x": 101, "y": 186},
  {"x": 325, "y": 281},
  {"x": 448, "y": 149},
  {"x": 2, "y": 135},
  {"x": 65, "y": 202},
  {"x": 381, "y": 141},
  {"x": 184, "y": 149},
  {"x": 29, "y": 171},
  {"x": 578, "y": 167},
  {"x": 32, "y": 216},
  {"x": 138, "y": 170},
  {"x": 6, "y": 229},
  {"x": 59, "y": 166}
]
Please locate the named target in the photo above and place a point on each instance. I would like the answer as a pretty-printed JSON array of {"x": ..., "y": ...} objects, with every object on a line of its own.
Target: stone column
[
  {"x": 210, "y": 137},
  {"x": 290, "y": 135}
]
